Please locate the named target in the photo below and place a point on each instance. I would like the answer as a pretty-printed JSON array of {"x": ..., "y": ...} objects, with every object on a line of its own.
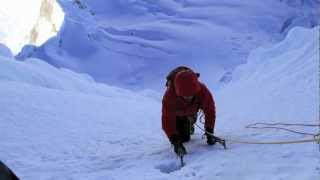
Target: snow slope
[
  {"x": 283, "y": 78},
  {"x": 134, "y": 44},
  {"x": 51, "y": 119},
  {"x": 56, "y": 124}
]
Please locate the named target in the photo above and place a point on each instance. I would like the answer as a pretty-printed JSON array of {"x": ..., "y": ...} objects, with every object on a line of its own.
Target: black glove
[
  {"x": 211, "y": 140},
  {"x": 178, "y": 147}
]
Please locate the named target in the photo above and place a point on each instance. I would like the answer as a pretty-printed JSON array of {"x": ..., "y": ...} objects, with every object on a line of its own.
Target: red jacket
[{"x": 173, "y": 106}]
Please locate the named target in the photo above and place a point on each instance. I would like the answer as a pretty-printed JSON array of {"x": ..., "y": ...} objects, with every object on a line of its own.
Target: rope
[
  {"x": 316, "y": 137},
  {"x": 271, "y": 126},
  {"x": 293, "y": 131},
  {"x": 282, "y": 124}
]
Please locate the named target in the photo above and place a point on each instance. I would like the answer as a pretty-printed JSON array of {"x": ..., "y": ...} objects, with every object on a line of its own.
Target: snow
[
  {"x": 52, "y": 117},
  {"x": 133, "y": 44},
  {"x": 282, "y": 77},
  {"x": 58, "y": 124},
  {"x": 5, "y": 51},
  {"x": 24, "y": 22}
]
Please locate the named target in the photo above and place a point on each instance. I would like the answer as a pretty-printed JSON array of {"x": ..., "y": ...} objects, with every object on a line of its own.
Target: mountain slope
[
  {"x": 56, "y": 124},
  {"x": 133, "y": 44},
  {"x": 278, "y": 83}
]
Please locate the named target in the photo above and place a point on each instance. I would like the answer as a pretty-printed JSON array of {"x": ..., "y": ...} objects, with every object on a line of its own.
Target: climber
[{"x": 184, "y": 97}]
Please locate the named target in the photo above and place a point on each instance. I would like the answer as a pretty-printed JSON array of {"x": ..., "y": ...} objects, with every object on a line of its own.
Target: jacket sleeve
[
  {"x": 168, "y": 115},
  {"x": 207, "y": 104}
]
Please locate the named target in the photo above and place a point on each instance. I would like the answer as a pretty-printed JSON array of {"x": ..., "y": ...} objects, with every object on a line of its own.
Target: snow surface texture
[
  {"x": 56, "y": 124},
  {"x": 133, "y": 44}
]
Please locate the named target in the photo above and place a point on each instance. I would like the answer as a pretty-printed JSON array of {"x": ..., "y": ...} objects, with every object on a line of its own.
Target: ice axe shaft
[
  {"x": 181, "y": 155},
  {"x": 181, "y": 161}
]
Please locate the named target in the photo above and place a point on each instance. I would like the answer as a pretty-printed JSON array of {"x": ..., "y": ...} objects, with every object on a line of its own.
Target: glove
[
  {"x": 211, "y": 140},
  {"x": 178, "y": 147}
]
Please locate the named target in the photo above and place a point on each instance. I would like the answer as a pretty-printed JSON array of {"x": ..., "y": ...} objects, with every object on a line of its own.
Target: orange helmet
[{"x": 186, "y": 83}]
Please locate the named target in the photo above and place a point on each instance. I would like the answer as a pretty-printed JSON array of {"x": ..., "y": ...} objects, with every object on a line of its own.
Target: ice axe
[
  {"x": 220, "y": 141},
  {"x": 181, "y": 154}
]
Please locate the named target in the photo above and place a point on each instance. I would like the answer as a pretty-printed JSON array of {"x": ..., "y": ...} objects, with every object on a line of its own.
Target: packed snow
[{"x": 57, "y": 124}]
